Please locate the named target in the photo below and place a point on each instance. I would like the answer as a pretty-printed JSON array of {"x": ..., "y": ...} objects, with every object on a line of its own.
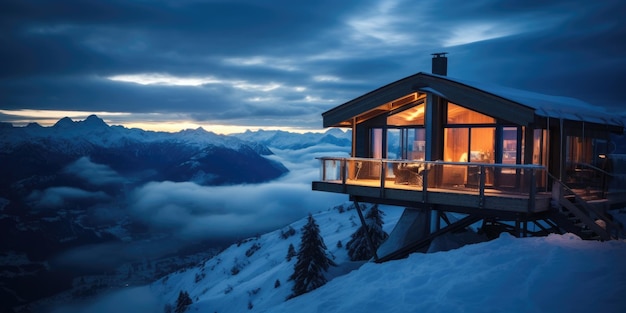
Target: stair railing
[
  {"x": 603, "y": 175},
  {"x": 586, "y": 212}
]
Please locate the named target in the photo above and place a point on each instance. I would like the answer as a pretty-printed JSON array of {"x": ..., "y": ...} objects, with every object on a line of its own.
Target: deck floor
[
  {"x": 460, "y": 189},
  {"x": 453, "y": 195}
]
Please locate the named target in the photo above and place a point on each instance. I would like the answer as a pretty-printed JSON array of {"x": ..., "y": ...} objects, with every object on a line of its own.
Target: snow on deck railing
[{"x": 523, "y": 179}]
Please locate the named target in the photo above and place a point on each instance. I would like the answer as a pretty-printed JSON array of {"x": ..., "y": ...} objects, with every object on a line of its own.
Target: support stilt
[{"x": 368, "y": 236}]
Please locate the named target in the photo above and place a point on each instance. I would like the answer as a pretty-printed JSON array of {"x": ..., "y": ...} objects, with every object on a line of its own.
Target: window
[
  {"x": 411, "y": 116},
  {"x": 376, "y": 145},
  {"x": 469, "y": 136},
  {"x": 406, "y": 143},
  {"x": 460, "y": 115},
  {"x": 509, "y": 145},
  {"x": 540, "y": 147}
]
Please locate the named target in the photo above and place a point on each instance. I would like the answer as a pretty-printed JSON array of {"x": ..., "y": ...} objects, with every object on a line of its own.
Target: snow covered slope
[{"x": 558, "y": 273}]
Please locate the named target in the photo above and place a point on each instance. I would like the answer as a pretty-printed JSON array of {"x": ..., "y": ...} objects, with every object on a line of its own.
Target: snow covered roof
[
  {"x": 547, "y": 105},
  {"x": 513, "y": 105}
]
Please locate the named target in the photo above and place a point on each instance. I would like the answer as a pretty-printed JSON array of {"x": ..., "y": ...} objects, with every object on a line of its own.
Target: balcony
[{"x": 462, "y": 185}]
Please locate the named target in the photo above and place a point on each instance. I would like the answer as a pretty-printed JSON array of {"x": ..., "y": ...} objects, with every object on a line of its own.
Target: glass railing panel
[
  {"x": 364, "y": 171},
  {"x": 474, "y": 178},
  {"x": 474, "y": 173},
  {"x": 451, "y": 176},
  {"x": 406, "y": 173},
  {"x": 331, "y": 170}
]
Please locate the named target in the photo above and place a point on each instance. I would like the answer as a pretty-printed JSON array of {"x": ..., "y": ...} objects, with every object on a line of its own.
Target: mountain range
[{"x": 68, "y": 186}]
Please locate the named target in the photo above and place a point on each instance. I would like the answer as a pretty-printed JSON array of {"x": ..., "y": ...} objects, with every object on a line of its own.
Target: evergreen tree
[
  {"x": 291, "y": 252},
  {"x": 182, "y": 302},
  {"x": 312, "y": 263},
  {"x": 358, "y": 247}
]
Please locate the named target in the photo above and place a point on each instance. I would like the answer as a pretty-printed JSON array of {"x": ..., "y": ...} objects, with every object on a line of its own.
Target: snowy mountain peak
[
  {"x": 93, "y": 121},
  {"x": 34, "y": 125},
  {"x": 65, "y": 122}
]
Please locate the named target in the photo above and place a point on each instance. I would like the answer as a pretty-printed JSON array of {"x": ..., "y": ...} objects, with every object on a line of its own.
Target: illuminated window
[
  {"x": 460, "y": 115},
  {"x": 406, "y": 143},
  {"x": 509, "y": 145},
  {"x": 411, "y": 116},
  {"x": 456, "y": 144}
]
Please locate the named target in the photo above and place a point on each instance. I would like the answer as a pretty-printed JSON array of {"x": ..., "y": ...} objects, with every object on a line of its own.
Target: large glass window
[
  {"x": 469, "y": 136},
  {"x": 540, "y": 147},
  {"x": 578, "y": 149},
  {"x": 509, "y": 145},
  {"x": 482, "y": 144},
  {"x": 456, "y": 145},
  {"x": 377, "y": 143},
  {"x": 469, "y": 144},
  {"x": 410, "y": 116},
  {"x": 460, "y": 115},
  {"x": 406, "y": 143},
  {"x": 405, "y": 134}
]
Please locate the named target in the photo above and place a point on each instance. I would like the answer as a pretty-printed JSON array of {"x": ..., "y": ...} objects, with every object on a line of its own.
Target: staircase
[{"x": 583, "y": 212}]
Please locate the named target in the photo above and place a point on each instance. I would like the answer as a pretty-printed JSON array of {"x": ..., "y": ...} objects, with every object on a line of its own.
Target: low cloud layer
[
  {"x": 94, "y": 173},
  {"x": 57, "y": 197},
  {"x": 194, "y": 211},
  {"x": 185, "y": 213}
]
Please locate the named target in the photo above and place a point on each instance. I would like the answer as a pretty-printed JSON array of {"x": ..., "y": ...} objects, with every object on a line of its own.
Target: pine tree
[
  {"x": 358, "y": 247},
  {"x": 291, "y": 252},
  {"x": 182, "y": 302},
  {"x": 312, "y": 263}
]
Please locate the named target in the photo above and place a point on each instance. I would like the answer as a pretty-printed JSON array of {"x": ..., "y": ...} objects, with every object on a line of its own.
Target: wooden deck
[{"x": 459, "y": 196}]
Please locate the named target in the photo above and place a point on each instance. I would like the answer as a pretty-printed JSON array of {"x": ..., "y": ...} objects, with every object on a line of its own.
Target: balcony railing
[{"x": 425, "y": 176}]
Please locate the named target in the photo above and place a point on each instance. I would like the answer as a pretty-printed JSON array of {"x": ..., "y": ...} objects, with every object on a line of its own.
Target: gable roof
[{"x": 509, "y": 104}]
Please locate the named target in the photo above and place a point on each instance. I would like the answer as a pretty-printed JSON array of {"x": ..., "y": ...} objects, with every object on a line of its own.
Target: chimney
[{"x": 440, "y": 63}]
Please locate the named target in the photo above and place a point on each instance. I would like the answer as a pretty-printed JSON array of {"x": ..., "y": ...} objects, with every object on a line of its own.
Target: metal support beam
[{"x": 368, "y": 236}]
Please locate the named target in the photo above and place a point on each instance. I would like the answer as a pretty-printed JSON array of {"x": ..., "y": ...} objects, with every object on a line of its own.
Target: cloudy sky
[{"x": 232, "y": 65}]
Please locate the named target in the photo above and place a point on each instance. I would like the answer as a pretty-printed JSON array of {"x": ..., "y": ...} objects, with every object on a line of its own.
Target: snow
[
  {"x": 547, "y": 105},
  {"x": 557, "y": 273},
  {"x": 287, "y": 140}
]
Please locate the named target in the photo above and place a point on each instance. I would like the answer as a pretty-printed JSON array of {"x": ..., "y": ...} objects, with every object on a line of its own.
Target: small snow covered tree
[
  {"x": 182, "y": 302},
  {"x": 312, "y": 263},
  {"x": 291, "y": 252},
  {"x": 358, "y": 247}
]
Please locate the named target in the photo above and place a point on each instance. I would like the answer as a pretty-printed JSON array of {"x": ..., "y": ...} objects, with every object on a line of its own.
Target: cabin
[{"x": 455, "y": 153}]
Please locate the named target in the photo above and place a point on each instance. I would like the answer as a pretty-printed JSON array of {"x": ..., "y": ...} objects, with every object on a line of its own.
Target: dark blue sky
[{"x": 282, "y": 63}]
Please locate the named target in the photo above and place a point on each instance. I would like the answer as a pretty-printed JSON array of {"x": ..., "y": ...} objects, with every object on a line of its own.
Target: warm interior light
[{"x": 416, "y": 113}]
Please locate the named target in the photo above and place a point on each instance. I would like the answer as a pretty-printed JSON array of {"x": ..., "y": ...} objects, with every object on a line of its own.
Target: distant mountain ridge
[
  {"x": 294, "y": 141},
  {"x": 96, "y": 132},
  {"x": 171, "y": 156}
]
